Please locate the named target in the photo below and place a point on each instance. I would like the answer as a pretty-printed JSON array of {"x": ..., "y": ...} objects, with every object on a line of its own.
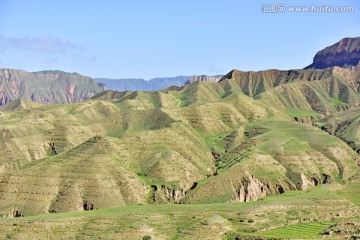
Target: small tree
[{"x": 146, "y": 237}]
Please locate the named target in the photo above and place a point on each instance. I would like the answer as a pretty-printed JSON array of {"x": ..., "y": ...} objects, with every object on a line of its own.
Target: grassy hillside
[
  {"x": 248, "y": 137},
  {"x": 346, "y": 126},
  {"x": 314, "y": 214}
]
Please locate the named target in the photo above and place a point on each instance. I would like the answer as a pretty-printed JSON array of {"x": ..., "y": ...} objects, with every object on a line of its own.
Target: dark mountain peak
[
  {"x": 231, "y": 74},
  {"x": 344, "y": 53},
  {"x": 347, "y": 45}
]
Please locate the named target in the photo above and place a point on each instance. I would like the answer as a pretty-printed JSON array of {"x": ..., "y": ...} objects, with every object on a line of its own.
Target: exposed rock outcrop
[
  {"x": 310, "y": 120},
  {"x": 172, "y": 195},
  {"x": 46, "y": 86},
  {"x": 203, "y": 78},
  {"x": 88, "y": 206},
  {"x": 315, "y": 180},
  {"x": 50, "y": 147},
  {"x": 343, "y": 53},
  {"x": 165, "y": 194},
  {"x": 252, "y": 189},
  {"x": 16, "y": 214}
]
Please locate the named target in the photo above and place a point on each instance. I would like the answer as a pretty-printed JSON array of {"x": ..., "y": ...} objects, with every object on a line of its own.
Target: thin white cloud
[
  {"x": 44, "y": 45},
  {"x": 3, "y": 44},
  {"x": 214, "y": 70},
  {"x": 52, "y": 60}
]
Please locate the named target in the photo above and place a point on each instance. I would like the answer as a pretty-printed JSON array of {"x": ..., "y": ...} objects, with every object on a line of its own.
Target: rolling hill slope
[{"x": 238, "y": 140}]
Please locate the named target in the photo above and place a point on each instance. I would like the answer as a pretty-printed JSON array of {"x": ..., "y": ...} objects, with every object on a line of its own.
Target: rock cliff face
[
  {"x": 251, "y": 189},
  {"x": 343, "y": 53},
  {"x": 46, "y": 86},
  {"x": 203, "y": 78},
  {"x": 308, "y": 182},
  {"x": 164, "y": 194}
]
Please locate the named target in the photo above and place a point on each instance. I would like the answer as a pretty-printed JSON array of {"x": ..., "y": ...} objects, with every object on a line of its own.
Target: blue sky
[{"x": 162, "y": 38}]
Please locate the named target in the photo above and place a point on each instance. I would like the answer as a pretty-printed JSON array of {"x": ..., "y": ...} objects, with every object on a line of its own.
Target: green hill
[{"x": 251, "y": 136}]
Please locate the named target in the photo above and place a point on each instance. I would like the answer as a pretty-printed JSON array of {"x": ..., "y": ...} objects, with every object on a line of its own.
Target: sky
[{"x": 164, "y": 38}]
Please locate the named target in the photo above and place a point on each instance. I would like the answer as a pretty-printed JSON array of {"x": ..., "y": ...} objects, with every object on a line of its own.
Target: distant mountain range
[
  {"x": 139, "y": 84},
  {"x": 244, "y": 137},
  {"x": 248, "y": 136},
  {"x": 46, "y": 86},
  {"x": 62, "y": 87}
]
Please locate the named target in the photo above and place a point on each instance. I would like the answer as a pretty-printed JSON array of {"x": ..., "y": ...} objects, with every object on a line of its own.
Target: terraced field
[
  {"x": 302, "y": 230},
  {"x": 293, "y": 215},
  {"x": 257, "y": 155}
]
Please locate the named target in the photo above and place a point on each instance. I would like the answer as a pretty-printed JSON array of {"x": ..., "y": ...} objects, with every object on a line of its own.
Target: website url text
[{"x": 282, "y": 8}]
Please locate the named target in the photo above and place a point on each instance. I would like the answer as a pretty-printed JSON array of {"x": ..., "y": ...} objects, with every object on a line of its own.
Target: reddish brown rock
[
  {"x": 342, "y": 54},
  {"x": 46, "y": 86}
]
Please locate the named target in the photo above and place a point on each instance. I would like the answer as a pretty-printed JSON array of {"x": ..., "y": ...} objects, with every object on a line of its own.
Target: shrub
[{"x": 146, "y": 237}]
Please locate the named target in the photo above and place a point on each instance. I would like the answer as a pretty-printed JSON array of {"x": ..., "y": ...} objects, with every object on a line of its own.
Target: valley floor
[{"x": 327, "y": 211}]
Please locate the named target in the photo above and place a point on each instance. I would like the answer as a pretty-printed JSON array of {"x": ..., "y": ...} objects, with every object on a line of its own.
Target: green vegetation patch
[
  {"x": 215, "y": 143},
  {"x": 299, "y": 231},
  {"x": 351, "y": 191},
  {"x": 174, "y": 185},
  {"x": 292, "y": 112},
  {"x": 337, "y": 102}
]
